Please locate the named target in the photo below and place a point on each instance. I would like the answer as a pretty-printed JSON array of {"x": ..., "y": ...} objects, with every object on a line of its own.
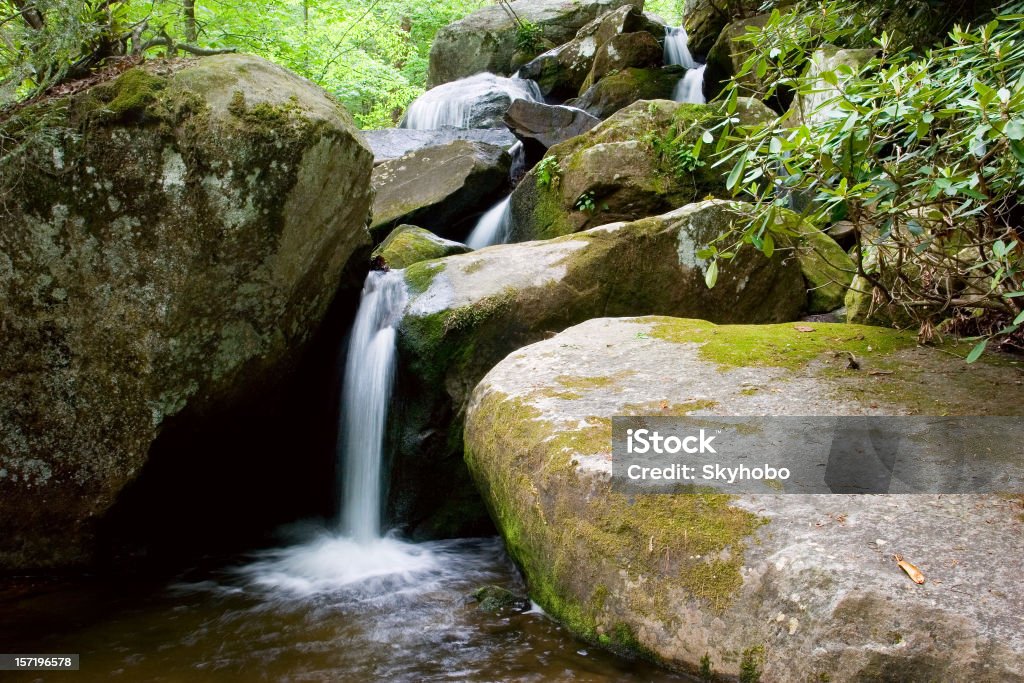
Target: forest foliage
[{"x": 371, "y": 54}]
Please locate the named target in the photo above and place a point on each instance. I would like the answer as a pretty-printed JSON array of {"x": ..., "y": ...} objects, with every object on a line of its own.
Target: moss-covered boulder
[
  {"x": 624, "y": 169},
  {"x": 486, "y": 40},
  {"x": 796, "y": 587},
  {"x": 167, "y": 249},
  {"x": 622, "y": 88},
  {"x": 638, "y": 49},
  {"x": 408, "y": 244},
  {"x": 465, "y": 313},
  {"x": 439, "y": 188},
  {"x": 726, "y": 57}
]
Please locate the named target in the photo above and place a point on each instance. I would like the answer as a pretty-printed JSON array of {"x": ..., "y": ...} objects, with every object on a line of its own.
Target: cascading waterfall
[
  {"x": 677, "y": 51},
  {"x": 455, "y": 104},
  {"x": 369, "y": 373},
  {"x": 493, "y": 226}
]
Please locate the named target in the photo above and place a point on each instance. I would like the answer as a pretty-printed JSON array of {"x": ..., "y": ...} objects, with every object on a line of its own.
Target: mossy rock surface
[
  {"x": 805, "y": 583},
  {"x": 408, "y": 244},
  {"x": 486, "y": 39},
  {"x": 620, "y": 89},
  {"x": 167, "y": 251},
  {"x": 624, "y": 167},
  {"x": 467, "y": 312}
]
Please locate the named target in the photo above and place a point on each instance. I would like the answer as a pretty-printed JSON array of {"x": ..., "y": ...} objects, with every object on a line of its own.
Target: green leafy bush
[{"x": 922, "y": 153}]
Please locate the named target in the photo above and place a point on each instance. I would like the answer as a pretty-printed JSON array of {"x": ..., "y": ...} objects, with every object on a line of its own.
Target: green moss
[
  {"x": 567, "y": 543},
  {"x": 407, "y": 245},
  {"x": 126, "y": 97},
  {"x": 779, "y": 345},
  {"x": 573, "y": 382},
  {"x": 827, "y": 269},
  {"x": 750, "y": 664},
  {"x": 469, "y": 317},
  {"x": 666, "y": 408},
  {"x": 419, "y": 276}
]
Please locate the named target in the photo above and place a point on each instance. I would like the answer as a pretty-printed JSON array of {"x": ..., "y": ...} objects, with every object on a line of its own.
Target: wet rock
[
  {"x": 621, "y": 89},
  {"x": 478, "y": 101},
  {"x": 438, "y": 188},
  {"x": 391, "y": 143},
  {"x": 496, "y": 598},
  {"x": 408, "y": 244},
  {"x": 548, "y": 124}
]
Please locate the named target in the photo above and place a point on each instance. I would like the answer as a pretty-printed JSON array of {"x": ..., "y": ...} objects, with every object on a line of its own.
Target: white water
[
  {"x": 690, "y": 87},
  {"x": 492, "y": 228},
  {"x": 369, "y": 372},
  {"x": 677, "y": 47},
  {"x": 518, "y": 168},
  {"x": 677, "y": 51},
  {"x": 459, "y": 102}
]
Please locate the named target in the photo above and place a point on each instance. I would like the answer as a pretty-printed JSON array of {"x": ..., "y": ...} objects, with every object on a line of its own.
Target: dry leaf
[
  {"x": 803, "y": 328},
  {"x": 913, "y": 572}
]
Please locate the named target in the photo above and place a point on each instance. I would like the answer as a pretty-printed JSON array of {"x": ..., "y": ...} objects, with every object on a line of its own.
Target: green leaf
[
  {"x": 1019, "y": 319},
  {"x": 1014, "y": 129},
  {"x": 768, "y": 246},
  {"x": 711, "y": 276},
  {"x": 976, "y": 352}
]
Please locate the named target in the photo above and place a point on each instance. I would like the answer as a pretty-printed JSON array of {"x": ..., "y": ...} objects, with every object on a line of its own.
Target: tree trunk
[{"x": 188, "y": 8}]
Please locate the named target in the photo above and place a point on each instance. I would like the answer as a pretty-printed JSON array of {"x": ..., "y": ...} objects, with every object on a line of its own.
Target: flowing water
[
  {"x": 493, "y": 226},
  {"x": 459, "y": 102},
  {"x": 329, "y": 603},
  {"x": 677, "y": 51}
]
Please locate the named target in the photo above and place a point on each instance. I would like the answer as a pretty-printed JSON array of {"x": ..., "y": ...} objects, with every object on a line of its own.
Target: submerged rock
[
  {"x": 797, "y": 587},
  {"x": 624, "y": 169},
  {"x": 168, "y": 252},
  {"x": 438, "y": 188},
  {"x": 496, "y": 598},
  {"x": 391, "y": 143},
  {"x": 465, "y": 313},
  {"x": 486, "y": 40},
  {"x": 548, "y": 124},
  {"x": 408, "y": 244}
]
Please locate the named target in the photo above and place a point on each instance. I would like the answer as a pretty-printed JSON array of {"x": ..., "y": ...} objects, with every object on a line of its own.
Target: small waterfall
[
  {"x": 369, "y": 372},
  {"x": 518, "y": 168},
  {"x": 690, "y": 87},
  {"x": 458, "y": 103},
  {"x": 677, "y": 47},
  {"x": 492, "y": 228},
  {"x": 677, "y": 51}
]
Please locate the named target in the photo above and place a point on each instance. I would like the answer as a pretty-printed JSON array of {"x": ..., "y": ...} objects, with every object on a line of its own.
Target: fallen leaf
[
  {"x": 803, "y": 328},
  {"x": 913, "y": 572}
]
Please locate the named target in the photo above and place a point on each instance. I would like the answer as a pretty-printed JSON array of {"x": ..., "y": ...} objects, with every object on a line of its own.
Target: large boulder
[
  {"x": 547, "y": 124},
  {"x": 478, "y": 101},
  {"x": 773, "y": 587},
  {"x": 438, "y": 188},
  {"x": 623, "y": 169},
  {"x": 408, "y": 244},
  {"x": 486, "y": 40},
  {"x": 391, "y": 143},
  {"x": 165, "y": 253},
  {"x": 727, "y": 56},
  {"x": 705, "y": 19},
  {"x": 465, "y": 313},
  {"x": 562, "y": 71},
  {"x": 624, "y": 50},
  {"x": 625, "y": 87}
]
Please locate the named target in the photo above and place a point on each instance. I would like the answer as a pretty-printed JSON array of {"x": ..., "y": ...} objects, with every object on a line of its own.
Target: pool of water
[{"x": 323, "y": 609}]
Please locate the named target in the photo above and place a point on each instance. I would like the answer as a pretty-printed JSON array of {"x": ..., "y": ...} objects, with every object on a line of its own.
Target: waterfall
[
  {"x": 461, "y": 103},
  {"x": 677, "y": 47},
  {"x": 677, "y": 51},
  {"x": 492, "y": 228},
  {"x": 518, "y": 168},
  {"x": 369, "y": 371},
  {"x": 690, "y": 87}
]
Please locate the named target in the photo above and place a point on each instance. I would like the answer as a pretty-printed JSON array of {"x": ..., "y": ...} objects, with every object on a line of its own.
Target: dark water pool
[{"x": 326, "y": 609}]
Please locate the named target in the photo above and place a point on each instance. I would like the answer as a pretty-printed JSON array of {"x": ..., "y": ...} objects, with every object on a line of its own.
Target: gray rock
[
  {"x": 408, "y": 244},
  {"x": 478, "y": 101},
  {"x": 809, "y": 109},
  {"x": 638, "y": 49},
  {"x": 485, "y": 41},
  {"x": 170, "y": 260},
  {"x": 799, "y": 587},
  {"x": 727, "y": 56},
  {"x": 391, "y": 143},
  {"x": 438, "y": 188},
  {"x": 548, "y": 124},
  {"x": 467, "y": 312}
]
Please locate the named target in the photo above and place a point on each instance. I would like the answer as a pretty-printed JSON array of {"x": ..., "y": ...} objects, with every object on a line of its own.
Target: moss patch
[
  {"x": 419, "y": 276},
  {"x": 781, "y": 345}
]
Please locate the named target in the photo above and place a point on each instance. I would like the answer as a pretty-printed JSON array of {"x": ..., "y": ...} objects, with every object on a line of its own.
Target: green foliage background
[{"x": 371, "y": 54}]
